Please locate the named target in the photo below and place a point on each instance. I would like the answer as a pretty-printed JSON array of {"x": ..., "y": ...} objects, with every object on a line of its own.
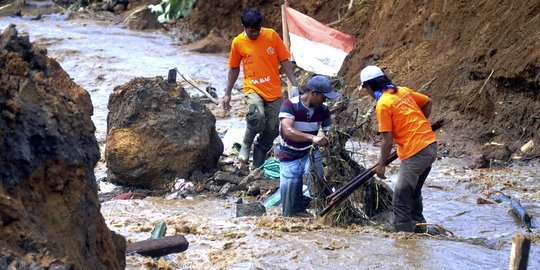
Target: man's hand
[
  {"x": 294, "y": 92},
  {"x": 320, "y": 140},
  {"x": 380, "y": 170},
  {"x": 225, "y": 102}
]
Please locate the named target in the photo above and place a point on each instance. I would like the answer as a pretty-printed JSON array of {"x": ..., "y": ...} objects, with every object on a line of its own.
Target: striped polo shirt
[{"x": 307, "y": 120}]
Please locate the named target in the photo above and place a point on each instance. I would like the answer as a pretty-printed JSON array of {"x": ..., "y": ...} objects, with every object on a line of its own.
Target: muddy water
[{"x": 100, "y": 57}]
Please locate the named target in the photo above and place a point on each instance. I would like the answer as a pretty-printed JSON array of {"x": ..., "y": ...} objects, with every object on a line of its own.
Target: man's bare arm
[
  {"x": 231, "y": 79},
  {"x": 291, "y": 133}
]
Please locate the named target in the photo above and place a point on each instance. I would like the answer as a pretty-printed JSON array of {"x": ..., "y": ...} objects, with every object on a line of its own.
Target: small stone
[
  {"x": 527, "y": 147},
  {"x": 250, "y": 209}
]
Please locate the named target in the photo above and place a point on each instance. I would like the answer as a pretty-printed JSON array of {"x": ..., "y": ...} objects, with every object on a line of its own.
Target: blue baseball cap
[{"x": 321, "y": 84}]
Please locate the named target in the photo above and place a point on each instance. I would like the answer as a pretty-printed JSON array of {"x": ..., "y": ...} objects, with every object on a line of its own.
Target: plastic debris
[
  {"x": 271, "y": 168},
  {"x": 275, "y": 199},
  {"x": 160, "y": 230}
]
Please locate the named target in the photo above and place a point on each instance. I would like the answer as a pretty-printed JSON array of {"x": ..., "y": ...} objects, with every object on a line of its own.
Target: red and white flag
[{"x": 316, "y": 47}]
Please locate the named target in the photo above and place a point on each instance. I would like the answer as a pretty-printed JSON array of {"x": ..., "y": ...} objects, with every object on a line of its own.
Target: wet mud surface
[{"x": 101, "y": 56}]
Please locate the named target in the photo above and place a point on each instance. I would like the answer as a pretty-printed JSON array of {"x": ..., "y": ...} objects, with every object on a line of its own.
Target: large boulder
[
  {"x": 49, "y": 211},
  {"x": 157, "y": 133}
]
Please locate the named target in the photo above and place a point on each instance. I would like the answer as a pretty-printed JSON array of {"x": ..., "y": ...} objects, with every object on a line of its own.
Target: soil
[{"x": 481, "y": 57}]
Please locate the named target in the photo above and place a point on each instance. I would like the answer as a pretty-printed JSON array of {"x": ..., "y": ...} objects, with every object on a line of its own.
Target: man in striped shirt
[{"x": 303, "y": 122}]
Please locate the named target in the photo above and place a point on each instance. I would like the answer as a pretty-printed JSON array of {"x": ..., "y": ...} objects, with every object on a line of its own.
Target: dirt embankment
[
  {"x": 49, "y": 210},
  {"x": 484, "y": 56}
]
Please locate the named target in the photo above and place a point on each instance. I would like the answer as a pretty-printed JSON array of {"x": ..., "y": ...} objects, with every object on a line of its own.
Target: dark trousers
[{"x": 413, "y": 172}]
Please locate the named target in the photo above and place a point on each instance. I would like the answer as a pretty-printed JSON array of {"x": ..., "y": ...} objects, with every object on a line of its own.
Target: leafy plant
[{"x": 171, "y": 9}]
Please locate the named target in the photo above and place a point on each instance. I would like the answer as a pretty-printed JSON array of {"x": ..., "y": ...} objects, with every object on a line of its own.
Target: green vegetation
[{"x": 171, "y": 9}]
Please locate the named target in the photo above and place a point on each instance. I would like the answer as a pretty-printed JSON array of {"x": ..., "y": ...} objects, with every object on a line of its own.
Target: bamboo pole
[
  {"x": 337, "y": 197},
  {"x": 286, "y": 39},
  {"x": 519, "y": 256},
  {"x": 188, "y": 80}
]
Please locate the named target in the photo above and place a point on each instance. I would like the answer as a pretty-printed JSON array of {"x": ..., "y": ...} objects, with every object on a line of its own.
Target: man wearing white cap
[{"x": 402, "y": 115}]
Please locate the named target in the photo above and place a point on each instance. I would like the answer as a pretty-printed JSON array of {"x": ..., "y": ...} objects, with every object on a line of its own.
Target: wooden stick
[
  {"x": 196, "y": 87},
  {"x": 286, "y": 40},
  {"x": 480, "y": 91},
  {"x": 485, "y": 82},
  {"x": 426, "y": 86},
  {"x": 335, "y": 22},
  {"x": 350, "y": 4},
  {"x": 159, "y": 247},
  {"x": 519, "y": 256}
]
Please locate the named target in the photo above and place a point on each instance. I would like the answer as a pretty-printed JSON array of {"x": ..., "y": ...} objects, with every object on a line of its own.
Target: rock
[
  {"x": 250, "y": 209},
  {"x": 156, "y": 133},
  {"x": 222, "y": 177},
  {"x": 140, "y": 18},
  {"x": 527, "y": 147},
  {"x": 252, "y": 176},
  {"x": 254, "y": 188},
  {"x": 228, "y": 187},
  {"x": 475, "y": 161},
  {"x": 115, "y": 5},
  {"x": 49, "y": 208},
  {"x": 214, "y": 188},
  {"x": 496, "y": 152},
  {"x": 213, "y": 43}
]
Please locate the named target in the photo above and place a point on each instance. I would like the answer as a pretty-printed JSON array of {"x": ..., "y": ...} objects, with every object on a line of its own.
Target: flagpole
[{"x": 286, "y": 40}]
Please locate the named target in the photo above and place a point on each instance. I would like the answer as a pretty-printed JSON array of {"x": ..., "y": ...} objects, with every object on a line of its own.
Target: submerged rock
[
  {"x": 49, "y": 211},
  {"x": 250, "y": 209}
]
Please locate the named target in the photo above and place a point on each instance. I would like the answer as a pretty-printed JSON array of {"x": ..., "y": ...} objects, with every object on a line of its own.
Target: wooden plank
[
  {"x": 519, "y": 256},
  {"x": 286, "y": 40},
  {"x": 159, "y": 247}
]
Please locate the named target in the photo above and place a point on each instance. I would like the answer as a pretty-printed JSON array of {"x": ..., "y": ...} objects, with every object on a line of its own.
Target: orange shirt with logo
[
  {"x": 260, "y": 59},
  {"x": 401, "y": 114}
]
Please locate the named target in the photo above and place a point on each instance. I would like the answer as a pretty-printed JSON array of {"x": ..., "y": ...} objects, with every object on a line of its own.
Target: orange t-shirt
[
  {"x": 260, "y": 59},
  {"x": 401, "y": 114}
]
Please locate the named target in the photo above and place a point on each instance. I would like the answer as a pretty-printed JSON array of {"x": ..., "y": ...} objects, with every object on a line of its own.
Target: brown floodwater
[{"x": 101, "y": 56}]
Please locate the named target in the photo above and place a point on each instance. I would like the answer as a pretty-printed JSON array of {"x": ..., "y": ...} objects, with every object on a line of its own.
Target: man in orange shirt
[
  {"x": 402, "y": 115},
  {"x": 261, "y": 51}
]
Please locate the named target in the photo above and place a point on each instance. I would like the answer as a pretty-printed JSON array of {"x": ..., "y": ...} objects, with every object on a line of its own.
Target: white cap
[{"x": 369, "y": 73}]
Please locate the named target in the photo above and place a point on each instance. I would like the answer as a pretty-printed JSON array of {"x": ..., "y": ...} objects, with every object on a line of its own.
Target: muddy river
[{"x": 100, "y": 56}]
